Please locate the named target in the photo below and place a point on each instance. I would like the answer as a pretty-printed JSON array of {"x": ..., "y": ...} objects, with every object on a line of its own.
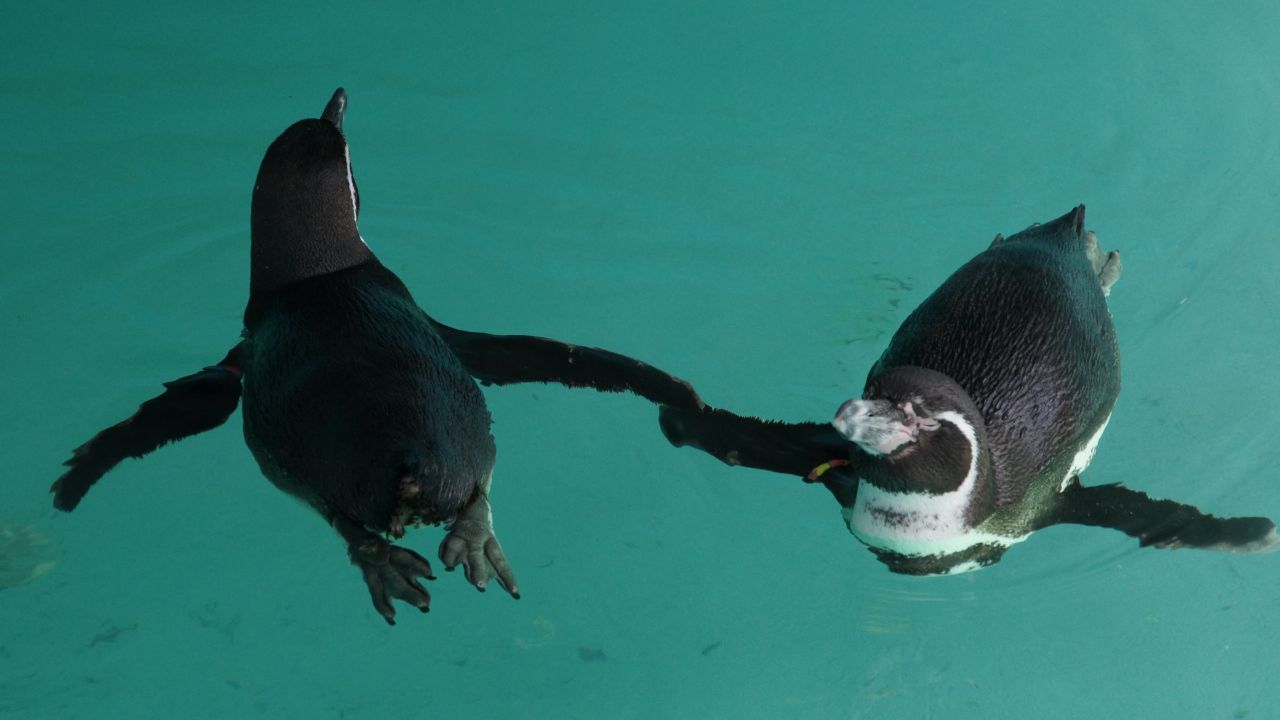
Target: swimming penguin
[
  {"x": 355, "y": 400},
  {"x": 976, "y": 422}
]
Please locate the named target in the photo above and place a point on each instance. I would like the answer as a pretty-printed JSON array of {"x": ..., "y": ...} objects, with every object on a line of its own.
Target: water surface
[{"x": 751, "y": 197}]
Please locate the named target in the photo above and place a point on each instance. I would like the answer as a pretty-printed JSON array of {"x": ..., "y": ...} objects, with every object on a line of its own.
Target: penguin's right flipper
[
  {"x": 803, "y": 449},
  {"x": 1161, "y": 523},
  {"x": 510, "y": 359},
  {"x": 189, "y": 405}
]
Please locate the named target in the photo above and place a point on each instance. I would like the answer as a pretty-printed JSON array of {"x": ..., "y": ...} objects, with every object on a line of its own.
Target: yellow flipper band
[{"x": 817, "y": 472}]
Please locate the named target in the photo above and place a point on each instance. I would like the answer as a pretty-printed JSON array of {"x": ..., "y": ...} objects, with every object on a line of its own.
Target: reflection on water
[
  {"x": 875, "y": 309},
  {"x": 25, "y": 554},
  {"x": 752, "y": 198}
]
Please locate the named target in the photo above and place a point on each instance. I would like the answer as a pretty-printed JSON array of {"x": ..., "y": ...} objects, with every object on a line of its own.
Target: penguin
[
  {"x": 354, "y": 399},
  {"x": 976, "y": 422}
]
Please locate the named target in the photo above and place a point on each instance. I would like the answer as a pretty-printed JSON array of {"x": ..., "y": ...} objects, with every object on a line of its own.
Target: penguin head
[
  {"x": 917, "y": 428},
  {"x": 882, "y": 426},
  {"x": 305, "y": 204},
  {"x": 924, "y": 468}
]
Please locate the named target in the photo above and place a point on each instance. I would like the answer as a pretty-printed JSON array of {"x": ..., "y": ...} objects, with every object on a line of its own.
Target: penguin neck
[
  {"x": 296, "y": 237},
  {"x": 937, "y": 488}
]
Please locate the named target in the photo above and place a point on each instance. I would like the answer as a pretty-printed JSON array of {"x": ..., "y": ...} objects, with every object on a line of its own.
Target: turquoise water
[{"x": 750, "y": 197}]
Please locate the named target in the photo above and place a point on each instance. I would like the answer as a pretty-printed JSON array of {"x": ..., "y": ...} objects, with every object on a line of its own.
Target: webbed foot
[
  {"x": 1106, "y": 265},
  {"x": 472, "y": 543},
  {"x": 391, "y": 573}
]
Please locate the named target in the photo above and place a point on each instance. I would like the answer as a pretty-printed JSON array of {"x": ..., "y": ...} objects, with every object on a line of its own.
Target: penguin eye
[
  {"x": 917, "y": 416},
  {"x": 876, "y": 410}
]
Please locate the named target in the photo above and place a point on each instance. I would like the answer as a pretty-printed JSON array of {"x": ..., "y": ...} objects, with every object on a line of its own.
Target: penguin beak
[
  {"x": 336, "y": 108},
  {"x": 877, "y": 426}
]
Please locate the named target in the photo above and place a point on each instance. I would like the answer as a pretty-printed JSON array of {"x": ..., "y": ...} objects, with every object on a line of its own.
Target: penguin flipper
[
  {"x": 813, "y": 451},
  {"x": 189, "y": 405},
  {"x": 1161, "y": 523},
  {"x": 511, "y": 359}
]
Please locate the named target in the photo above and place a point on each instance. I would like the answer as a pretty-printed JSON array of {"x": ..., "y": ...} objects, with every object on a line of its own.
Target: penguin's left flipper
[
  {"x": 816, "y": 452},
  {"x": 189, "y": 405},
  {"x": 1161, "y": 523},
  {"x": 787, "y": 448},
  {"x": 510, "y": 359}
]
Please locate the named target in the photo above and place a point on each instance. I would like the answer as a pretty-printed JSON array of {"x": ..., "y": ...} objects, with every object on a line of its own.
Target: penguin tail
[{"x": 1066, "y": 231}]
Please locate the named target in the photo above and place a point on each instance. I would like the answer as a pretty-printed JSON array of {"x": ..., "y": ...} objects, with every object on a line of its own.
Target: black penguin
[
  {"x": 977, "y": 420},
  {"x": 355, "y": 400}
]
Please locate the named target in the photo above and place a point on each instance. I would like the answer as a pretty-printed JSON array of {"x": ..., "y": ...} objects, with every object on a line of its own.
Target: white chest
[
  {"x": 922, "y": 524},
  {"x": 1084, "y": 456}
]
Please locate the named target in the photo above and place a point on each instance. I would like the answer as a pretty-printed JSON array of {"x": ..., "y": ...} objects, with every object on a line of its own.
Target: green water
[{"x": 751, "y": 197}]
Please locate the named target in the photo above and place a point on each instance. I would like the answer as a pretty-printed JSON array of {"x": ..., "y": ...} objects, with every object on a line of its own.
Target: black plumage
[
  {"x": 355, "y": 400},
  {"x": 1019, "y": 344}
]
